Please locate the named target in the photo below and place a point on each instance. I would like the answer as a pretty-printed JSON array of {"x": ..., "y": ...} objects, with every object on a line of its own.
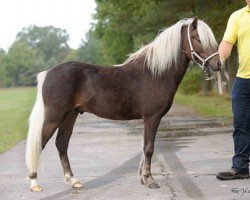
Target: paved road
[{"x": 105, "y": 155}]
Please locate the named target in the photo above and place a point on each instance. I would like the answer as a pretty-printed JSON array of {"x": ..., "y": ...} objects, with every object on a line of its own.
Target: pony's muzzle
[
  {"x": 215, "y": 64},
  {"x": 219, "y": 65}
]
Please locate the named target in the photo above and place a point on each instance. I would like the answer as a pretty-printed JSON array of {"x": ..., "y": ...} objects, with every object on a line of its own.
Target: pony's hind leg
[
  {"x": 47, "y": 132},
  {"x": 62, "y": 141},
  {"x": 41, "y": 128}
]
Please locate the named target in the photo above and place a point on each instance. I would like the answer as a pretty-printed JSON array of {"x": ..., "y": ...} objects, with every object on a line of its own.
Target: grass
[
  {"x": 211, "y": 106},
  {"x": 15, "y": 107}
]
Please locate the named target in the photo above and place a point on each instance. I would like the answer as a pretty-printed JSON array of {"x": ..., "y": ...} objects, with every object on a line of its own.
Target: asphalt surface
[{"x": 105, "y": 155}]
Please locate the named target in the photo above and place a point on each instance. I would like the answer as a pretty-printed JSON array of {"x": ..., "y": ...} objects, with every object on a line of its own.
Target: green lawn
[
  {"x": 215, "y": 106},
  {"x": 15, "y": 107}
]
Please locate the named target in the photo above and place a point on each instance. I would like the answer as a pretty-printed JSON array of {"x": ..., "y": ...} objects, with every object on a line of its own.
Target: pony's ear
[{"x": 194, "y": 23}]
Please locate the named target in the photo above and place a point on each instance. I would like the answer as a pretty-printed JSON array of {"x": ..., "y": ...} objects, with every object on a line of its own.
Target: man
[{"x": 238, "y": 29}]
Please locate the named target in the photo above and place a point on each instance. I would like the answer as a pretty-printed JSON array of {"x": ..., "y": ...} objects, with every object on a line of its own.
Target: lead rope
[
  {"x": 220, "y": 83},
  {"x": 218, "y": 78}
]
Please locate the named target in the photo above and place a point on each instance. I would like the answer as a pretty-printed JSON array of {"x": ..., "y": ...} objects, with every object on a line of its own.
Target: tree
[
  {"x": 49, "y": 42},
  {"x": 90, "y": 51},
  {"x": 3, "y": 77},
  {"x": 17, "y": 61},
  {"x": 122, "y": 26},
  {"x": 35, "y": 49}
]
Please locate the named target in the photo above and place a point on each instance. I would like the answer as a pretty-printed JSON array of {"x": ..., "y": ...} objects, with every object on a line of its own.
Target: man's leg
[{"x": 241, "y": 135}]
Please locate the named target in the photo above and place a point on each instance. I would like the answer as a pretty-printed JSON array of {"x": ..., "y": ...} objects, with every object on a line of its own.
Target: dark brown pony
[{"x": 143, "y": 87}]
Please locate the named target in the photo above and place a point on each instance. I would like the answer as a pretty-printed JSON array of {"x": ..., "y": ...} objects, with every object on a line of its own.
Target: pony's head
[{"x": 200, "y": 45}]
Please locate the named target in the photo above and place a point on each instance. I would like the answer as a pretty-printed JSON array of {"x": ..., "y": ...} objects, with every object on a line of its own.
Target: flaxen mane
[{"x": 163, "y": 52}]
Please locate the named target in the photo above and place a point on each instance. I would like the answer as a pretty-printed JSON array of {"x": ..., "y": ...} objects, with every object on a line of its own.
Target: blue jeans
[{"x": 241, "y": 116}]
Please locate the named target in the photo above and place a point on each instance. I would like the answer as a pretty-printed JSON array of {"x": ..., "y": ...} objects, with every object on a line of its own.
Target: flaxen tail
[{"x": 36, "y": 120}]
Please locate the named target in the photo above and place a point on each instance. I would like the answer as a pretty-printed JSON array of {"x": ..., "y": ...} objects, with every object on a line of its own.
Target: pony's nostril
[{"x": 219, "y": 63}]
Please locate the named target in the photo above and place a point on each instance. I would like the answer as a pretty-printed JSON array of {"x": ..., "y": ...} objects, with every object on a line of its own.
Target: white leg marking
[
  {"x": 73, "y": 181},
  {"x": 34, "y": 186}
]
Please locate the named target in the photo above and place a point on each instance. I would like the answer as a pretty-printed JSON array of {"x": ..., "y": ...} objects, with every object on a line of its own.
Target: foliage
[
  {"x": 17, "y": 61},
  {"x": 48, "y": 41},
  {"x": 3, "y": 78},
  {"x": 122, "y": 26},
  {"x": 192, "y": 81},
  {"x": 92, "y": 51},
  {"x": 35, "y": 49}
]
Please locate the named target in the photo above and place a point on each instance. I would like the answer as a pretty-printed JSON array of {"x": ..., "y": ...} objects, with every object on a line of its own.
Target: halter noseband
[{"x": 203, "y": 61}]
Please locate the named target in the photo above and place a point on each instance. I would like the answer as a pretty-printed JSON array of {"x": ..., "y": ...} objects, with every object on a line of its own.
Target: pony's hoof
[
  {"x": 143, "y": 181},
  {"x": 77, "y": 184},
  {"x": 74, "y": 182},
  {"x": 153, "y": 185},
  {"x": 36, "y": 188}
]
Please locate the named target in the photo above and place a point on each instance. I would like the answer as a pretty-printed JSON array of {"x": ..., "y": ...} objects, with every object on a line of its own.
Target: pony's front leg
[
  {"x": 150, "y": 129},
  {"x": 62, "y": 141}
]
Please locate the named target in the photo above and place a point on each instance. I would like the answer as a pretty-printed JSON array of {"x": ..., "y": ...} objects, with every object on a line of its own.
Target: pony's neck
[
  {"x": 175, "y": 74},
  {"x": 181, "y": 67}
]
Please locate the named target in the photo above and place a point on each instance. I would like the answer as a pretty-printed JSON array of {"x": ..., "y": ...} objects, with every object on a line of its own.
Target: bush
[{"x": 192, "y": 81}]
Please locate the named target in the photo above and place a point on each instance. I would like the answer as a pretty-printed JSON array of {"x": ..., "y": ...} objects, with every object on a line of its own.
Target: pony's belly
[{"x": 116, "y": 115}]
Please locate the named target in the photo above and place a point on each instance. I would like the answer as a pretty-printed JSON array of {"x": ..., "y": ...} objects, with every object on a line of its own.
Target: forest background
[{"x": 119, "y": 27}]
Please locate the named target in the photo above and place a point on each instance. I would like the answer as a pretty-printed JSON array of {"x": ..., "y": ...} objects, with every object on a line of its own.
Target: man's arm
[{"x": 225, "y": 49}]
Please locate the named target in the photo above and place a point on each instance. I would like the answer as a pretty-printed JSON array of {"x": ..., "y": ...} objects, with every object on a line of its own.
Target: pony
[{"x": 143, "y": 87}]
